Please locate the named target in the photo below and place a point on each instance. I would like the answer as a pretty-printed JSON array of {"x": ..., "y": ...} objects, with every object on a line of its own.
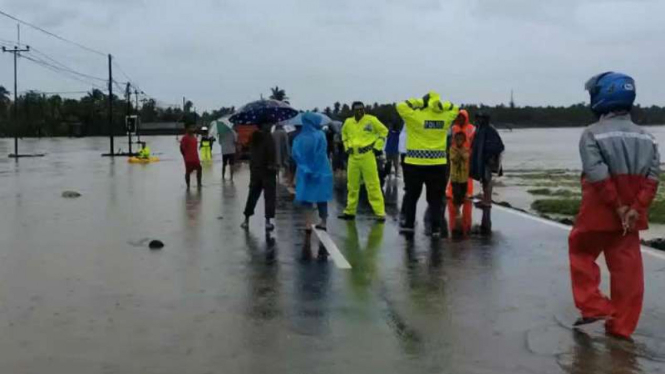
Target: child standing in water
[
  {"x": 459, "y": 172},
  {"x": 314, "y": 177},
  {"x": 190, "y": 153}
]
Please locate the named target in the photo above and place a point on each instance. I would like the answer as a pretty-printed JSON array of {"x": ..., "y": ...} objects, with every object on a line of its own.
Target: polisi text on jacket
[{"x": 435, "y": 125}]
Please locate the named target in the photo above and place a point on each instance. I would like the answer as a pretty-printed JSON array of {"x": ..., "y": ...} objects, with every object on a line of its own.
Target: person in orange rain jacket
[{"x": 461, "y": 125}]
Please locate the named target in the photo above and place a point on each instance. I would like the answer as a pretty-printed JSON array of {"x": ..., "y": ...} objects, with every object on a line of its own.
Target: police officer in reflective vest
[
  {"x": 363, "y": 136},
  {"x": 427, "y": 122}
]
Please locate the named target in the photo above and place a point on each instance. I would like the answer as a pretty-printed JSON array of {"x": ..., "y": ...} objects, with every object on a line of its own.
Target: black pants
[
  {"x": 435, "y": 179},
  {"x": 265, "y": 182}
]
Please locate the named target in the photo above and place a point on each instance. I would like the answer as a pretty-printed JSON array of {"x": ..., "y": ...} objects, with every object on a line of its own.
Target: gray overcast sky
[{"x": 227, "y": 52}]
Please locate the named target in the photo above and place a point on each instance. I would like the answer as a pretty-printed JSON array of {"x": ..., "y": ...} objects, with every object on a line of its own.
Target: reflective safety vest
[
  {"x": 144, "y": 152},
  {"x": 427, "y": 129},
  {"x": 363, "y": 136}
]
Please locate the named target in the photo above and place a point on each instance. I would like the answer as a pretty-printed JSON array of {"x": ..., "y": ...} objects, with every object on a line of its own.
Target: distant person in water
[
  {"x": 144, "y": 153},
  {"x": 228, "y": 141},
  {"x": 207, "y": 141},
  {"x": 190, "y": 153},
  {"x": 262, "y": 174}
]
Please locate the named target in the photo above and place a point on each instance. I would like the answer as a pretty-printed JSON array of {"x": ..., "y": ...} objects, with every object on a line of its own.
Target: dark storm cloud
[{"x": 226, "y": 52}]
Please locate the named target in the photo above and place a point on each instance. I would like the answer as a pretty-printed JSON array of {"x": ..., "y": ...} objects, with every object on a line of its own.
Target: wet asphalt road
[{"x": 81, "y": 292}]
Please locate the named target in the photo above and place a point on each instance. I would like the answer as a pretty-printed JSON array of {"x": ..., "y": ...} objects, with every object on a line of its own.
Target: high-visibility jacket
[
  {"x": 427, "y": 129},
  {"x": 362, "y": 136},
  {"x": 144, "y": 152}
]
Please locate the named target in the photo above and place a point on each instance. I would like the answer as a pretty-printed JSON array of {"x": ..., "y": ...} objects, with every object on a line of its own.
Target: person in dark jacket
[
  {"x": 392, "y": 150},
  {"x": 486, "y": 153},
  {"x": 263, "y": 174}
]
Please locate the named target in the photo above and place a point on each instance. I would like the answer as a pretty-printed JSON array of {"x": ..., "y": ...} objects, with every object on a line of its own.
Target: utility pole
[
  {"x": 138, "y": 116},
  {"x": 16, "y": 51},
  {"x": 112, "y": 153},
  {"x": 129, "y": 112}
]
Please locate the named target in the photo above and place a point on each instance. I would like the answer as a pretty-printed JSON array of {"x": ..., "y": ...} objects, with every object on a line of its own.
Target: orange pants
[
  {"x": 624, "y": 261},
  {"x": 467, "y": 211}
]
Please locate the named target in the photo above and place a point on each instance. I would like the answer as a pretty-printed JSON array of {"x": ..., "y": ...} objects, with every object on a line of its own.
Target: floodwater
[
  {"x": 546, "y": 149},
  {"x": 81, "y": 292}
]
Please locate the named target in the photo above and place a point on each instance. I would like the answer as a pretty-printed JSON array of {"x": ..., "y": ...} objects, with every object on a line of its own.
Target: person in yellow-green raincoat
[
  {"x": 363, "y": 136},
  {"x": 427, "y": 122}
]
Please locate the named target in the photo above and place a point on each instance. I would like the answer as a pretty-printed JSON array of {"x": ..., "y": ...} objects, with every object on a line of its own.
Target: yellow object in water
[{"x": 136, "y": 160}]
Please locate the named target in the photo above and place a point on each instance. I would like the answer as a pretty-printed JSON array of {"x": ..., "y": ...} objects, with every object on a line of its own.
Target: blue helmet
[{"x": 611, "y": 92}]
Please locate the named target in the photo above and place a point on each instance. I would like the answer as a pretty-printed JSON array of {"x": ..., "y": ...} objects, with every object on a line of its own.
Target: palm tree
[{"x": 278, "y": 94}]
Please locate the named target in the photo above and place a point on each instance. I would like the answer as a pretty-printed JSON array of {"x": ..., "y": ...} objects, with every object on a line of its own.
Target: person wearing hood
[
  {"x": 363, "y": 136},
  {"x": 314, "y": 177},
  {"x": 486, "y": 151},
  {"x": 620, "y": 175},
  {"x": 427, "y": 123},
  {"x": 262, "y": 173},
  {"x": 462, "y": 197}
]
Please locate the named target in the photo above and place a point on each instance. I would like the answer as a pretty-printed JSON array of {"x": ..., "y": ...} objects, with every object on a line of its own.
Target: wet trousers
[
  {"x": 206, "y": 154},
  {"x": 624, "y": 260},
  {"x": 434, "y": 178},
  {"x": 392, "y": 161},
  {"x": 265, "y": 182},
  {"x": 363, "y": 167},
  {"x": 466, "y": 220}
]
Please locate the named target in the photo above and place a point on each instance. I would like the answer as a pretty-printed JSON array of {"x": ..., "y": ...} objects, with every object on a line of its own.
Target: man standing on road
[
  {"x": 363, "y": 137},
  {"x": 190, "y": 154},
  {"x": 621, "y": 167},
  {"x": 427, "y": 122},
  {"x": 228, "y": 140},
  {"x": 486, "y": 151}
]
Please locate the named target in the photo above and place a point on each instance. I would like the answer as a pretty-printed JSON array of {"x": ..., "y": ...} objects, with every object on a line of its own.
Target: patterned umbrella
[
  {"x": 297, "y": 120},
  {"x": 271, "y": 111}
]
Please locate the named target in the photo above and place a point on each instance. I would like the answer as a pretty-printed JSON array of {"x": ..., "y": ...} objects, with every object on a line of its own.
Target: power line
[
  {"x": 115, "y": 63},
  {"x": 52, "y": 34},
  {"x": 65, "y": 67},
  {"x": 63, "y": 72}
]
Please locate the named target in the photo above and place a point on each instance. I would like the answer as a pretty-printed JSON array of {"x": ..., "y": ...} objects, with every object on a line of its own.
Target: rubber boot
[{"x": 486, "y": 222}]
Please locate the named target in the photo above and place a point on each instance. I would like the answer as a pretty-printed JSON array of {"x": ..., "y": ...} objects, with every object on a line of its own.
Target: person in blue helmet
[
  {"x": 620, "y": 174},
  {"x": 314, "y": 177}
]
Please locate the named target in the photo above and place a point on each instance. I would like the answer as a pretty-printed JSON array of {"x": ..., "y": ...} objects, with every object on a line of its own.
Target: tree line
[{"x": 53, "y": 115}]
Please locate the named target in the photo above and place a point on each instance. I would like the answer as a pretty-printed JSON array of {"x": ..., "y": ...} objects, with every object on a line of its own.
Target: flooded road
[{"x": 81, "y": 292}]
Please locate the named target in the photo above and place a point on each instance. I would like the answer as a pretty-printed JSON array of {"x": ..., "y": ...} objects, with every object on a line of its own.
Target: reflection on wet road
[{"x": 80, "y": 291}]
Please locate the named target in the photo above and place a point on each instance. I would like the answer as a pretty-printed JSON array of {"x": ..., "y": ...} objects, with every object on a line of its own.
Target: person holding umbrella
[{"x": 263, "y": 158}]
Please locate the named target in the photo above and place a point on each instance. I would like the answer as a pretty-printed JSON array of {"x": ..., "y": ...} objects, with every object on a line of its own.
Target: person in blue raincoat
[{"x": 314, "y": 177}]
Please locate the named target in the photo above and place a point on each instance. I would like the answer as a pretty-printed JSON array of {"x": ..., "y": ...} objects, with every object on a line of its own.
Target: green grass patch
[
  {"x": 565, "y": 207},
  {"x": 556, "y": 193},
  {"x": 657, "y": 212},
  {"x": 571, "y": 206}
]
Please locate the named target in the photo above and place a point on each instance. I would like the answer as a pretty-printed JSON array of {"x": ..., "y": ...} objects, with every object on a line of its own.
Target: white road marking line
[
  {"x": 648, "y": 250},
  {"x": 331, "y": 247}
]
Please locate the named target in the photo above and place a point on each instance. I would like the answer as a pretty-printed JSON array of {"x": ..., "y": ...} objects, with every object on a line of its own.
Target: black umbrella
[{"x": 263, "y": 111}]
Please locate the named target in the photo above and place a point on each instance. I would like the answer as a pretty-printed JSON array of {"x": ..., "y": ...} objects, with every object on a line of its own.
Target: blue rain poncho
[{"x": 314, "y": 178}]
